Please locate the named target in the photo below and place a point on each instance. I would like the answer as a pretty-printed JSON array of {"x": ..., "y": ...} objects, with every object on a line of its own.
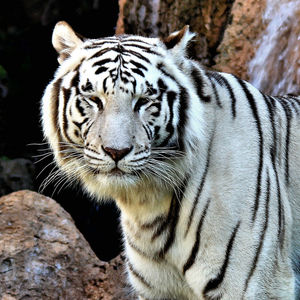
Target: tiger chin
[{"x": 204, "y": 167}]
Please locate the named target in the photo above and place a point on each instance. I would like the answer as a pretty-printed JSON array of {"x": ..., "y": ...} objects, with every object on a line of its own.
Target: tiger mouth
[{"x": 116, "y": 172}]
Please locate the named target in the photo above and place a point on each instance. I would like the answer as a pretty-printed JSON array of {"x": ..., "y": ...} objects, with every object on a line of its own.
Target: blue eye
[
  {"x": 98, "y": 101},
  {"x": 139, "y": 103}
]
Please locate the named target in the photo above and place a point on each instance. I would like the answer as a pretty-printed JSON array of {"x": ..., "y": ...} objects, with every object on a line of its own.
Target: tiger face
[{"x": 116, "y": 114}]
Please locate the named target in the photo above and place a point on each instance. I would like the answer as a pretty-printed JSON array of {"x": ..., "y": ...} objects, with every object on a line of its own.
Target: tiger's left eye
[
  {"x": 97, "y": 100},
  {"x": 141, "y": 101}
]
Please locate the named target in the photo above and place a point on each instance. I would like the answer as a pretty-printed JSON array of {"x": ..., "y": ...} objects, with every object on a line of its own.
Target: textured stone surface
[
  {"x": 238, "y": 44},
  {"x": 227, "y": 30},
  {"x": 16, "y": 174},
  {"x": 44, "y": 256},
  {"x": 275, "y": 67},
  {"x": 161, "y": 17}
]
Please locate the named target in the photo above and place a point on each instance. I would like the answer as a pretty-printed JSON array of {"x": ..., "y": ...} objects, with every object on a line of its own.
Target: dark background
[{"x": 27, "y": 64}]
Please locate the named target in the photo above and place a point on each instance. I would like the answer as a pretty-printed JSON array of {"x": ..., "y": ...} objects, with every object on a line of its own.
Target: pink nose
[{"x": 116, "y": 154}]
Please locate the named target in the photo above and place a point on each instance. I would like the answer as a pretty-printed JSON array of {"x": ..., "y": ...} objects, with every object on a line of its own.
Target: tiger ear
[
  {"x": 65, "y": 40},
  {"x": 179, "y": 40}
]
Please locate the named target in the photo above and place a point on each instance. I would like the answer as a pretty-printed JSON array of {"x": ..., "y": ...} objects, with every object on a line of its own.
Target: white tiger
[{"x": 204, "y": 168}]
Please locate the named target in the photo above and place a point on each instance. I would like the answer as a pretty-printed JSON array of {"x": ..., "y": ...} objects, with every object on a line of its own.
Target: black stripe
[
  {"x": 138, "y": 71},
  {"x": 150, "y": 90},
  {"x": 163, "y": 226},
  {"x": 273, "y": 153},
  {"x": 224, "y": 82},
  {"x": 288, "y": 114},
  {"x": 85, "y": 133},
  {"x": 130, "y": 39},
  {"x": 215, "y": 282},
  {"x": 174, "y": 217},
  {"x": 143, "y": 48},
  {"x": 281, "y": 223},
  {"x": 199, "y": 84},
  {"x": 136, "y": 54},
  {"x": 160, "y": 66},
  {"x": 183, "y": 108},
  {"x": 139, "y": 276},
  {"x": 280, "y": 227},
  {"x": 195, "y": 248},
  {"x": 104, "y": 87},
  {"x": 154, "y": 223},
  {"x": 253, "y": 107},
  {"x": 291, "y": 101},
  {"x": 101, "y": 70},
  {"x": 157, "y": 105},
  {"x": 78, "y": 103},
  {"x": 102, "y": 52},
  {"x": 93, "y": 157},
  {"x": 216, "y": 94},
  {"x": 148, "y": 132},
  {"x": 170, "y": 222},
  {"x": 138, "y": 159},
  {"x": 262, "y": 235},
  {"x": 75, "y": 80},
  {"x": 171, "y": 97},
  {"x": 88, "y": 87},
  {"x": 296, "y": 99},
  {"x": 140, "y": 251},
  {"x": 138, "y": 65},
  {"x": 102, "y": 62},
  {"x": 79, "y": 124},
  {"x": 199, "y": 191},
  {"x": 162, "y": 87},
  {"x": 139, "y": 103},
  {"x": 99, "y": 44},
  {"x": 271, "y": 108}
]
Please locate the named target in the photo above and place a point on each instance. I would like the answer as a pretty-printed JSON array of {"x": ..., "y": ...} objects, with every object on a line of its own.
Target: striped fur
[{"x": 204, "y": 167}]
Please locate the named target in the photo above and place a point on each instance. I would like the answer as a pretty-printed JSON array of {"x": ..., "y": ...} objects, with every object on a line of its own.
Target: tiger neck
[{"x": 144, "y": 205}]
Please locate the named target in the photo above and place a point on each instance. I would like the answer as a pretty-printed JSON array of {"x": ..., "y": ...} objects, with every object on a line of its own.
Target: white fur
[{"x": 212, "y": 137}]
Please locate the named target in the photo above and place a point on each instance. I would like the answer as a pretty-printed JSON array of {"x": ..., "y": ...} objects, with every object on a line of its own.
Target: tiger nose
[{"x": 116, "y": 154}]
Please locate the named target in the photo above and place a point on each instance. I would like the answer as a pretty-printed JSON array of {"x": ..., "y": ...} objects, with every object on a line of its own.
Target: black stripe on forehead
[{"x": 87, "y": 87}]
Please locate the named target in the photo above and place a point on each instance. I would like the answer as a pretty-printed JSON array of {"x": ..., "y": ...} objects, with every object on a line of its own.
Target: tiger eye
[{"x": 97, "y": 100}]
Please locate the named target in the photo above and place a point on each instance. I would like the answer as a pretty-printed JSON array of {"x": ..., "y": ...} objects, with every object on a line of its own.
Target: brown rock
[
  {"x": 161, "y": 17},
  {"x": 275, "y": 66},
  {"x": 238, "y": 44},
  {"x": 227, "y": 30},
  {"x": 15, "y": 174},
  {"x": 44, "y": 256}
]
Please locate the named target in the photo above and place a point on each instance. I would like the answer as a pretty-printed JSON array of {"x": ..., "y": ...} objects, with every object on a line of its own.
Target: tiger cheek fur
[{"x": 204, "y": 168}]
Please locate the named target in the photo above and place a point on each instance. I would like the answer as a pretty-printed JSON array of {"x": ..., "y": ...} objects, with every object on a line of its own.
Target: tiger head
[{"x": 117, "y": 111}]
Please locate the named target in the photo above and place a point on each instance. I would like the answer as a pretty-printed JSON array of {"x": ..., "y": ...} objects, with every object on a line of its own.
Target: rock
[
  {"x": 256, "y": 40},
  {"x": 44, "y": 256},
  {"x": 275, "y": 68},
  {"x": 227, "y": 30},
  {"x": 161, "y": 17},
  {"x": 16, "y": 174},
  {"x": 238, "y": 45}
]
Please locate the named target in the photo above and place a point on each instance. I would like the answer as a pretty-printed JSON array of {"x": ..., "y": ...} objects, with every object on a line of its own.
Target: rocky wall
[{"x": 227, "y": 29}]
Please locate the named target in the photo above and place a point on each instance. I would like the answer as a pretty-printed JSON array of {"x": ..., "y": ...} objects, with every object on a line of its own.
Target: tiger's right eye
[
  {"x": 98, "y": 101},
  {"x": 140, "y": 102}
]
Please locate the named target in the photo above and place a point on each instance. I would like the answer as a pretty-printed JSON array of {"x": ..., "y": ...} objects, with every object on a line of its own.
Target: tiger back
[{"x": 204, "y": 167}]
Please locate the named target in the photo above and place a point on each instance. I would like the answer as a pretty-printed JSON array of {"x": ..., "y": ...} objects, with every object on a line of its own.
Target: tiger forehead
[
  {"x": 121, "y": 42},
  {"x": 103, "y": 88},
  {"x": 120, "y": 64}
]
